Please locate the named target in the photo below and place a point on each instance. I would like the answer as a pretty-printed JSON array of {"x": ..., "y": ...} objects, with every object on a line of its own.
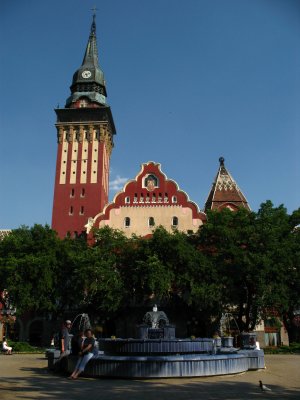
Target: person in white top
[{"x": 7, "y": 349}]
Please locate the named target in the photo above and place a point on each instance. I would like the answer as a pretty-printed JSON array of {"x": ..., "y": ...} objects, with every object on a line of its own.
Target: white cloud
[{"x": 117, "y": 184}]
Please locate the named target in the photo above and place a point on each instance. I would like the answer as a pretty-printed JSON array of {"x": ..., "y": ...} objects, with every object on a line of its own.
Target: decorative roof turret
[
  {"x": 88, "y": 81},
  {"x": 224, "y": 192}
]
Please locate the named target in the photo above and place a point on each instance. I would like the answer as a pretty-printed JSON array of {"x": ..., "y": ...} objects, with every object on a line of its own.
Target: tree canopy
[{"x": 243, "y": 262}]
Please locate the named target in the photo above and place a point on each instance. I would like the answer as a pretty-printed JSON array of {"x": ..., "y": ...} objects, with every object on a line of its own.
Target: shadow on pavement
[{"x": 46, "y": 385}]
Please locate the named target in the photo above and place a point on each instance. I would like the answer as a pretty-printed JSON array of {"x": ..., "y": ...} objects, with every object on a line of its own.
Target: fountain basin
[{"x": 170, "y": 366}]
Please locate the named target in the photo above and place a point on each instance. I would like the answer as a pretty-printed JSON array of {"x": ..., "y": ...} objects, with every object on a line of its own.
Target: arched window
[
  {"x": 127, "y": 222},
  {"x": 68, "y": 136},
  {"x": 174, "y": 221},
  {"x": 174, "y": 199},
  {"x": 72, "y": 194},
  {"x": 82, "y": 192},
  {"x": 71, "y": 210},
  {"x": 127, "y": 199},
  {"x": 151, "y": 222}
]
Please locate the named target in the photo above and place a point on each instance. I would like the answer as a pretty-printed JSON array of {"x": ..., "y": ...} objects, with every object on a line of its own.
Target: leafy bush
[
  {"x": 292, "y": 348},
  {"x": 23, "y": 347}
]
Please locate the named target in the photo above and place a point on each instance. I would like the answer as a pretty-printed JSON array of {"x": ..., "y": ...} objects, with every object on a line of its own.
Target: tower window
[
  {"x": 174, "y": 221},
  {"x": 82, "y": 194},
  {"x": 81, "y": 210},
  {"x": 174, "y": 199},
  {"x": 87, "y": 135},
  {"x": 83, "y": 103},
  {"x": 72, "y": 194},
  {"x": 127, "y": 222},
  {"x": 166, "y": 199},
  {"x": 68, "y": 136},
  {"x": 127, "y": 199},
  {"x": 71, "y": 210},
  {"x": 151, "y": 222}
]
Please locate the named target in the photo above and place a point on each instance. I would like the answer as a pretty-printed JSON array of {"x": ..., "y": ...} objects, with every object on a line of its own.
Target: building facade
[{"x": 148, "y": 201}]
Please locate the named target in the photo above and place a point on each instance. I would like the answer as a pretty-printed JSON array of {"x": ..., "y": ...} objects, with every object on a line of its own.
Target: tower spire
[
  {"x": 91, "y": 52},
  {"x": 88, "y": 85},
  {"x": 225, "y": 193}
]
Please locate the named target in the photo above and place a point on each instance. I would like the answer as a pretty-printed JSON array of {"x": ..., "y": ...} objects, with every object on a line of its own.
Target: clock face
[{"x": 86, "y": 74}]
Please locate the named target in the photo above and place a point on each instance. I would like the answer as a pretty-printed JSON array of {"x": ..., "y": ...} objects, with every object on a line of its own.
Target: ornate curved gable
[{"x": 150, "y": 200}]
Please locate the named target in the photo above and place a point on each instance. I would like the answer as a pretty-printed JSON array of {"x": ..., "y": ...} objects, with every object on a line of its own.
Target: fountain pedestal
[
  {"x": 248, "y": 340},
  {"x": 145, "y": 332}
]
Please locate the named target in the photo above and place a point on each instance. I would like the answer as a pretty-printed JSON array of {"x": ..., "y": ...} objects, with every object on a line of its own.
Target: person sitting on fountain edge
[{"x": 85, "y": 354}]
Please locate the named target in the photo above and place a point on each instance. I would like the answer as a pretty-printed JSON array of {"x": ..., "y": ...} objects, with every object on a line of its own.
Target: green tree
[
  {"x": 28, "y": 258},
  {"x": 255, "y": 255},
  {"x": 97, "y": 278},
  {"x": 37, "y": 269}
]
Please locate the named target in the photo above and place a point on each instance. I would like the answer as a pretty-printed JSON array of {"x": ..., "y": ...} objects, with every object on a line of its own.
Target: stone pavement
[{"x": 26, "y": 377}]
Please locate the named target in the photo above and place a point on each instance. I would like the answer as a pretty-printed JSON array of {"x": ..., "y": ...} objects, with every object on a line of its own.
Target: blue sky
[{"x": 188, "y": 81}]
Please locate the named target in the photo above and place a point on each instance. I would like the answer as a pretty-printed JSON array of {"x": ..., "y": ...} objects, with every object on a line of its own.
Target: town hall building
[{"x": 85, "y": 140}]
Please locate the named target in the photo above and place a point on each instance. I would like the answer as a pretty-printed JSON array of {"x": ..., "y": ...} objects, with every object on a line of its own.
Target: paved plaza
[{"x": 24, "y": 376}]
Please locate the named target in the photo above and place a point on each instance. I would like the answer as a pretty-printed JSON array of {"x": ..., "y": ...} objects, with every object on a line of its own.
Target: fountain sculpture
[{"x": 157, "y": 353}]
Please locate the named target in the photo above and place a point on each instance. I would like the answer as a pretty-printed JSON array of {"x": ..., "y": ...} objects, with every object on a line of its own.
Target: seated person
[
  {"x": 5, "y": 348},
  {"x": 86, "y": 353}
]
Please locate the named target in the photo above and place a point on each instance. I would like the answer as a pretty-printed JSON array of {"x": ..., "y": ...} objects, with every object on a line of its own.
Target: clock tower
[{"x": 85, "y": 130}]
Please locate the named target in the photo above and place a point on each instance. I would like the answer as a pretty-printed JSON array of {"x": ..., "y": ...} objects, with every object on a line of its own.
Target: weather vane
[{"x": 94, "y": 9}]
